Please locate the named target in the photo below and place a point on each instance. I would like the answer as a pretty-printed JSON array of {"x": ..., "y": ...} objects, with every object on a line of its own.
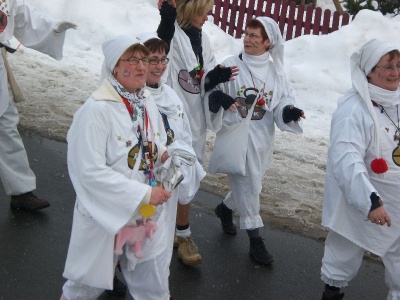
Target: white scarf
[
  {"x": 164, "y": 102},
  {"x": 384, "y": 97},
  {"x": 256, "y": 65}
]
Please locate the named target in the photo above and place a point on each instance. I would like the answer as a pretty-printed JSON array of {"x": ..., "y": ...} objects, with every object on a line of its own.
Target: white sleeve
[
  {"x": 35, "y": 30},
  {"x": 349, "y": 141}
]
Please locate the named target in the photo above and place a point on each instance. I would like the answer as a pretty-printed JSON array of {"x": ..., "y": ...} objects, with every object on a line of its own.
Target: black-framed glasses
[
  {"x": 135, "y": 61},
  {"x": 156, "y": 60}
]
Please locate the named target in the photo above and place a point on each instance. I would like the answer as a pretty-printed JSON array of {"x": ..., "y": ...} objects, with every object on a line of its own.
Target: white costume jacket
[
  {"x": 261, "y": 138},
  {"x": 31, "y": 28},
  {"x": 190, "y": 90},
  {"x": 169, "y": 104},
  {"x": 103, "y": 163},
  {"x": 350, "y": 180}
]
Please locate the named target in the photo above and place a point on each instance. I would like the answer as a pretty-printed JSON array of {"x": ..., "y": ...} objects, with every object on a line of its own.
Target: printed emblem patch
[
  {"x": 246, "y": 103},
  {"x": 188, "y": 83},
  {"x": 3, "y": 19},
  {"x": 396, "y": 156},
  {"x": 133, "y": 156}
]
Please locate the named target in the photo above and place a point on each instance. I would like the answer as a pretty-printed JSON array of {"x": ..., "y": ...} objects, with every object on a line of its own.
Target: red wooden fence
[{"x": 293, "y": 20}]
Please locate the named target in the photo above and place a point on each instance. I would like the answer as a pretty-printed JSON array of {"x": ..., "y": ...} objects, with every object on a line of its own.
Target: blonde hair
[{"x": 186, "y": 10}]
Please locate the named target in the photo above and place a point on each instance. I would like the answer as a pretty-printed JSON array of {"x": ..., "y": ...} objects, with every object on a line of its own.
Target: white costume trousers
[
  {"x": 15, "y": 173},
  {"x": 148, "y": 281},
  {"x": 242, "y": 199},
  {"x": 342, "y": 260}
]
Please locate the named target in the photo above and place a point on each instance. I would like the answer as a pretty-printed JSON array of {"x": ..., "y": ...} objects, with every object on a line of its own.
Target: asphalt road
[{"x": 33, "y": 248}]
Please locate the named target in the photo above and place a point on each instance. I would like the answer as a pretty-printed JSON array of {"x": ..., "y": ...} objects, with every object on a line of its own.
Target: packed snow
[{"x": 316, "y": 66}]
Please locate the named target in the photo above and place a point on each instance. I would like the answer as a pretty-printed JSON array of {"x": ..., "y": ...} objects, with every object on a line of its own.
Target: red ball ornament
[
  {"x": 261, "y": 102},
  {"x": 379, "y": 166}
]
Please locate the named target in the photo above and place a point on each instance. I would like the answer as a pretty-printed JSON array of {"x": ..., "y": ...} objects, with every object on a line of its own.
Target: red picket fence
[{"x": 293, "y": 20}]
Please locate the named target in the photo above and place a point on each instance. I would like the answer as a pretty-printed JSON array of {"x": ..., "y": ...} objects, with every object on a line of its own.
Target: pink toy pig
[{"x": 134, "y": 236}]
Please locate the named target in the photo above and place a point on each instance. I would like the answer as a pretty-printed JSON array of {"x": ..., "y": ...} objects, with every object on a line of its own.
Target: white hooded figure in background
[
  {"x": 116, "y": 145},
  {"x": 190, "y": 57},
  {"x": 363, "y": 172},
  {"x": 261, "y": 86},
  {"x": 41, "y": 33}
]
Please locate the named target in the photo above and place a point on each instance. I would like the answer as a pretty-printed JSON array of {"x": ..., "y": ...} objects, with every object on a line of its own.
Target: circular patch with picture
[
  {"x": 188, "y": 83},
  {"x": 396, "y": 156},
  {"x": 3, "y": 21}
]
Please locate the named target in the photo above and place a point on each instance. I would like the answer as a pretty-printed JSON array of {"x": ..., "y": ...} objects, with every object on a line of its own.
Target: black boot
[
  {"x": 332, "y": 293},
  {"x": 119, "y": 288},
  {"x": 226, "y": 216},
  {"x": 259, "y": 252},
  {"x": 334, "y": 297}
]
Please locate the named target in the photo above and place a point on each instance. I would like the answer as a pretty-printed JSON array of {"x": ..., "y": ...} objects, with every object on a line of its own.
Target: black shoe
[
  {"x": 226, "y": 216},
  {"x": 28, "y": 201},
  {"x": 259, "y": 252},
  {"x": 333, "y": 297},
  {"x": 119, "y": 288}
]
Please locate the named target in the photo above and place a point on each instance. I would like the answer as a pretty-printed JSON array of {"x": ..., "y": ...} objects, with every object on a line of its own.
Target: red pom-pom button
[
  {"x": 379, "y": 166},
  {"x": 261, "y": 102}
]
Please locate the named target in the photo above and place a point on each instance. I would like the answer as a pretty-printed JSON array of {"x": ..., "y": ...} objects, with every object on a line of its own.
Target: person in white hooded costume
[
  {"x": 190, "y": 57},
  {"x": 262, "y": 80},
  {"x": 39, "y": 32},
  {"x": 178, "y": 129},
  {"x": 116, "y": 147},
  {"x": 363, "y": 172}
]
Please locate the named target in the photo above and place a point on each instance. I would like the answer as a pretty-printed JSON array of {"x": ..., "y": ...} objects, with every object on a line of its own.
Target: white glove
[{"x": 61, "y": 26}]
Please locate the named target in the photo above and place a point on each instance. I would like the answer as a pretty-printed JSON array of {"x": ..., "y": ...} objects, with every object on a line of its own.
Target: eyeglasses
[
  {"x": 156, "y": 60},
  {"x": 252, "y": 36},
  {"x": 390, "y": 68},
  {"x": 135, "y": 61}
]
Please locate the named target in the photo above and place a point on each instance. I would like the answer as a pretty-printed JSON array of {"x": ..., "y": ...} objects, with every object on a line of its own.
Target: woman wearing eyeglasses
[
  {"x": 361, "y": 202},
  {"x": 261, "y": 86},
  {"x": 178, "y": 129},
  {"x": 116, "y": 145}
]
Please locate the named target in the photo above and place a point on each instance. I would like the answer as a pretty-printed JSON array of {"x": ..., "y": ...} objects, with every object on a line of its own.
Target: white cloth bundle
[{"x": 180, "y": 153}]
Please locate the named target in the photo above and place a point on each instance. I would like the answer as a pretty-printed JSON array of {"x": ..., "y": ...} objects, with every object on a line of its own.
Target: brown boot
[
  {"x": 188, "y": 251},
  {"x": 28, "y": 201},
  {"x": 176, "y": 242}
]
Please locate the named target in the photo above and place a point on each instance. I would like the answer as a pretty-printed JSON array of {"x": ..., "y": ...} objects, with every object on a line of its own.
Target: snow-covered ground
[{"x": 316, "y": 66}]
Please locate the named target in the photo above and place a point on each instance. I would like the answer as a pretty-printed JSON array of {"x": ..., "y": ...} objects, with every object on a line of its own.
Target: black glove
[
  {"x": 167, "y": 11},
  {"x": 216, "y": 76},
  {"x": 291, "y": 113},
  {"x": 217, "y": 99},
  {"x": 375, "y": 201},
  {"x": 166, "y": 28}
]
